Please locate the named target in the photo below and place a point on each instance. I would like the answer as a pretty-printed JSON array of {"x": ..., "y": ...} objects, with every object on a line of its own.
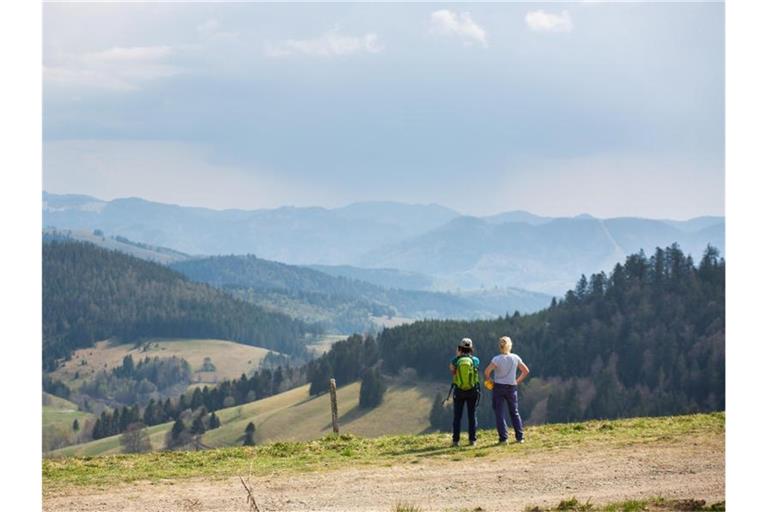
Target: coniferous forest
[
  {"x": 647, "y": 339},
  {"x": 90, "y": 294}
]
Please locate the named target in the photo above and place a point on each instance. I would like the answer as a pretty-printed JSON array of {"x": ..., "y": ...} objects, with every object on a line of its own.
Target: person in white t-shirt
[{"x": 505, "y": 380}]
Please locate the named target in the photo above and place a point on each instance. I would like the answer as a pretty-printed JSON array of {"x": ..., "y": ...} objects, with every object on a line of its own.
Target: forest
[
  {"x": 91, "y": 294},
  {"x": 647, "y": 339}
]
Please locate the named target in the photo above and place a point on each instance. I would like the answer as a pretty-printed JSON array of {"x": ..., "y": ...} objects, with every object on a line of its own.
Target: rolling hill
[
  {"x": 296, "y": 416},
  {"x": 229, "y": 359},
  {"x": 340, "y": 300},
  {"x": 92, "y": 294},
  {"x": 382, "y": 277}
]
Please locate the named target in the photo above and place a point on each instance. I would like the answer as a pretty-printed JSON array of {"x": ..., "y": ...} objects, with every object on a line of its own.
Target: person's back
[
  {"x": 506, "y": 368},
  {"x": 466, "y": 376},
  {"x": 505, "y": 380},
  {"x": 466, "y": 389}
]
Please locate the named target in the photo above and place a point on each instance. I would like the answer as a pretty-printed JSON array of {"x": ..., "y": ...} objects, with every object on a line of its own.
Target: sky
[{"x": 558, "y": 109}]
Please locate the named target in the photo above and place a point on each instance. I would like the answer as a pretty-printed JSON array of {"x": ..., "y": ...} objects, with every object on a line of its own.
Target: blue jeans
[
  {"x": 506, "y": 393},
  {"x": 459, "y": 399}
]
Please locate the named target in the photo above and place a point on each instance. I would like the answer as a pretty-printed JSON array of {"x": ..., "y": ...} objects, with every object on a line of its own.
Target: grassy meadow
[
  {"x": 295, "y": 416},
  {"x": 347, "y": 449},
  {"x": 58, "y": 417},
  {"x": 230, "y": 359}
]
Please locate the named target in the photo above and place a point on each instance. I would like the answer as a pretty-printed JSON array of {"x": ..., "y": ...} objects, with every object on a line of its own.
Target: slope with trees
[
  {"x": 91, "y": 294},
  {"x": 341, "y": 303},
  {"x": 648, "y": 339}
]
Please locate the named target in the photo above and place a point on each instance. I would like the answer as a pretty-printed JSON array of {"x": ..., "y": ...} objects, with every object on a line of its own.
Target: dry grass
[
  {"x": 295, "y": 416},
  {"x": 230, "y": 359}
]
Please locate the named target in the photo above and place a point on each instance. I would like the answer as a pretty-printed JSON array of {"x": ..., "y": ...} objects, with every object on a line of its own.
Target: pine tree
[
  {"x": 177, "y": 429},
  {"x": 371, "y": 389},
  {"x": 213, "y": 421},
  {"x": 198, "y": 428},
  {"x": 250, "y": 430},
  {"x": 97, "y": 433},
  {"x": 582, "y": 287}
]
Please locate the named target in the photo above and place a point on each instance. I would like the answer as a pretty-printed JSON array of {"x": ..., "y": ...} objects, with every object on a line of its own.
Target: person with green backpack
[{"x": 466, "y": 390}]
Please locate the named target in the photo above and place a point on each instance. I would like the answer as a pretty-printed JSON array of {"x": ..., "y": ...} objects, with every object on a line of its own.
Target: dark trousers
[
  {"x": 506, "y": 394},
  {"x": 459, "y": 399}
]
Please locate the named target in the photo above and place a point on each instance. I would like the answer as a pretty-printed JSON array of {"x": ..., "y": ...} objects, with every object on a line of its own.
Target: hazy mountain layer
[{"x": 394, "y": 245}]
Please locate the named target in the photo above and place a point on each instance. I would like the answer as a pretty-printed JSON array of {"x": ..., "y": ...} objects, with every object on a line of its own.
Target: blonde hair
[{"x": 505, "y": 344}]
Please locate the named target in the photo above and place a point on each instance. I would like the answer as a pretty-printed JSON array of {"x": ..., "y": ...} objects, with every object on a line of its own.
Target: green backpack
[{"x": 466, "y": 377}]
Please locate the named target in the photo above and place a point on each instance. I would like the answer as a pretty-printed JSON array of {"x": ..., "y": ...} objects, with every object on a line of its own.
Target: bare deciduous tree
[{"x": 135, "y": 439}]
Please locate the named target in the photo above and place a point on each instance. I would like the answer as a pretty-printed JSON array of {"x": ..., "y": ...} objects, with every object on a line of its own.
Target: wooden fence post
[{"x": 334, "y": 408}]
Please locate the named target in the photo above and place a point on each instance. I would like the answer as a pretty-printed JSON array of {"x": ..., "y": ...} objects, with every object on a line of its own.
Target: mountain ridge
[{"x": 510, "y": 249}]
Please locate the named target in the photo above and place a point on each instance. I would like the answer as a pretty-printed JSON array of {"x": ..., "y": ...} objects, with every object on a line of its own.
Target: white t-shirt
[{"x": 506, "y": 368}]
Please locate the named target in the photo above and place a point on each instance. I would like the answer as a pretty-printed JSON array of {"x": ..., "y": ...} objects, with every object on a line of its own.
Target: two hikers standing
[{"x": 466, "y": 389}]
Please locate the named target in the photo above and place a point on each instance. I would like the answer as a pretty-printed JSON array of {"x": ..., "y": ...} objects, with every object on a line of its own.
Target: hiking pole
[{"x": 450, "y": 390}]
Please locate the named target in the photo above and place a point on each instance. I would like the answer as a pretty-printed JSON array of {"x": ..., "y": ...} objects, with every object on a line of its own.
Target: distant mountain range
[
  {"x": 288, "y": 234},
  {"x": 471, "y": 252},
  {"x": 423, "y": 247}
]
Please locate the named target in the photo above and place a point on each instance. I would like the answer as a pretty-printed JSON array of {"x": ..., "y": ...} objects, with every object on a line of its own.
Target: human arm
[
  {"x": 452, "y": 368},
  {"x": 524, "y": 371},
  {"x": 488, "y": 370}
]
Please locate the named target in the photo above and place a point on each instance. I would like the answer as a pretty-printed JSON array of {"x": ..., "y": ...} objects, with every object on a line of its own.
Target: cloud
[
  {"x": 116, "y": 68},
  {"x": 212, "y": 29},
  {"x": 330, "y": 44},
  {"x": 541, "y": 21},
  {"x": 132, "y": 54},
  {"x": 461, "y": 25}
]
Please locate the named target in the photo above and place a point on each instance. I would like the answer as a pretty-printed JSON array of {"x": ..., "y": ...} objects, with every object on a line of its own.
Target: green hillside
[
  {"x": 58, "y": 417},
  {"x": 295, "y": 416},
  {"x": 91, "y": 294},
  {"x": 344, "y": 303}
]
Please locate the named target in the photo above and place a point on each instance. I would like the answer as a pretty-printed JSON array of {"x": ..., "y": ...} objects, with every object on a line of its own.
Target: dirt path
[{"x": 695, "y": 469}]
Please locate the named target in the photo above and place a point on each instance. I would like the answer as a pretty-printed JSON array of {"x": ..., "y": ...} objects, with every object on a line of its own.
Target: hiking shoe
[
  {"x": 503, "y": 441},
  {"x": 520, "y": 441},
  {"x": 473, "y": 443},
  {"x": 455, "y": 444}
]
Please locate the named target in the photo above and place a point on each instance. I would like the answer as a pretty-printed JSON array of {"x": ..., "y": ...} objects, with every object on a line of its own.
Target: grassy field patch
[
  {"x": 649, "y": 505},
  {"x": 229, "y": 358}
]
